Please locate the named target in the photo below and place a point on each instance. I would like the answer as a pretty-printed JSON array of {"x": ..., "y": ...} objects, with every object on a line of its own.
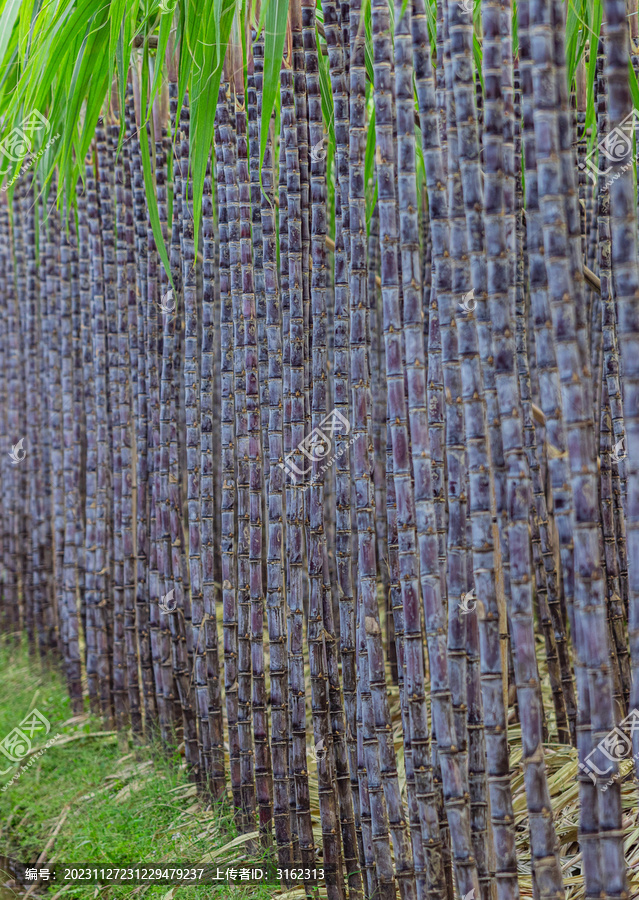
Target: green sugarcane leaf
[
  {"x": 190, "y": 34},
  {"x": 370, "y": 182},
  {"x": 10, "y": 73},
  {"x": 330, "y": 188},
  {"x": 367, "y": 17},
  {"x": 68, "y": 163},
  {"x": 275, "y": 19},
  {"x": 121, "y": 66},
  {"x": 634, "y": 90},
  {"x": 419, "y": 158},
  {"x": 92, "y": 114},
  {"x": 127, "y": 37},
  {"x": 166, "y": 24},
  {"x": 48, "y": 61},
  {"x": 634, "y": 86},
  {"x": 166, "y": 11},
  {"x": 83, "y": 143},
  {"x": 326, "y": 94},
  {"x": 117, "y": 14},
  {"x": 595, "y": 30},
  {"x": 7, "y": 21},
  {"x": 25, "y": 26},
  {"x": 163, "y": 42},
  {"x": 94, "y": 47},
  {"x": 479, "y": 56},
  {"x": 431, "y": 21},
  {"x": 149, "y": 186},
  {"x": 243, "y": 19},
  {"x": 575, "y": 38},
  {"x": 75, "y": 72},
  {"x": 205, "y": 84},
  {"x": 370, "y": 207},
  {"x": 97, "y": 89}
]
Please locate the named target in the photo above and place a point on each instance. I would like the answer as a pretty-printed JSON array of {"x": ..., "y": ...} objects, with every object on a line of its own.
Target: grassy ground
[{"x": 89, "y": 799}]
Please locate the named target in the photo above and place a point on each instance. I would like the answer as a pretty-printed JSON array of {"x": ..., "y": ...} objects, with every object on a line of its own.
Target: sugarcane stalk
[
  {"x": 34, "y": 421},
  {"x": 141, "y": 349},
  {"x": 333, "y": 772},
  {"x": 258, "y": 263},
  {"x": 91, "y": 623},
  {"x": 286, "y": 431},
  {"x": 120, "y": 695},
  {"x": 73, "y": 666},
  {"x": 379, "y": 752},
  {"x": 623, "y": 228},
  {"x": 229, "y": 575},
  {"x": 98, "y": 595},
  {"x": 51, "y": 250},
  {"x": 595, "y": 714},
  {"x": 275, "y": 612},
  {"x": 23, "y": 562},
  {"x": 208, "y": 499},
  {"x": 301, "y": 125},
  {"x": 620, "y": 663},
  {"x": 295, "y": 493},
  {"x": 122, "y": 427},
  {"x": 263, "y": 776}
]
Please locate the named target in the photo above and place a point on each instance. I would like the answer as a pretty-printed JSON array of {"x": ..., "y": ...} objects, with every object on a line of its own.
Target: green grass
[{"x": 119, "y": 803}]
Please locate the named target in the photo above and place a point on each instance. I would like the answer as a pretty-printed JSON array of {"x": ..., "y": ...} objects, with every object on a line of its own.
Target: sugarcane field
[{"x": 319, "y": 476}]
